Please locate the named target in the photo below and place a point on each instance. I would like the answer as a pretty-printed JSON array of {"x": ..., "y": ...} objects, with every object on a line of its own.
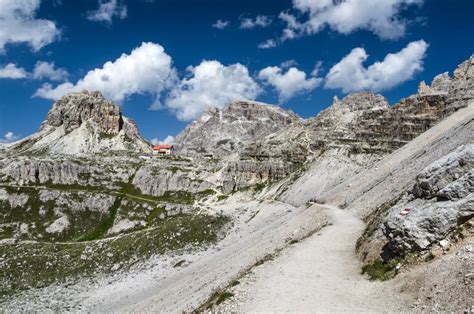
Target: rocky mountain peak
[
  {"x": 218, "y": 130},
  {"x": 84, "y": 123},
  {"x": 252, "y": 110},
  {"x": 465, "y": 70},
  {"x": 344, "y": 112},
  {"x": 76, "y": 108},
  {"x": 362, "y": 101}
]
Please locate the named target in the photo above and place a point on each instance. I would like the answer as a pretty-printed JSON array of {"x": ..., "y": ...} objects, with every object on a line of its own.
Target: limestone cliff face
[
  {"x": 222, "y": 131},
  {"x": 76, "y": 108},
  {"x": 84, "y": 123},
  {"x": 355, "y": 132},
  {"x": 441, "y": 200},
  {"x": 461, "y": 89},
  {"x": 364, "y": 122}
]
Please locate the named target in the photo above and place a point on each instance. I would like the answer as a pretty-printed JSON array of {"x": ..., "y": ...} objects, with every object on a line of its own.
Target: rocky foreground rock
[{"x": 441, "y": 200}]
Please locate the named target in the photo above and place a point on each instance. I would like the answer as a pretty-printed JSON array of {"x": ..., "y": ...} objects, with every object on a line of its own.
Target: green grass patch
[
  {"x": 380, "y": 270},
  {"x": 223, "y": 296},
  {"x": 222, "y": 197},
  {"x": 100, "y": 231},
  {"x": 38, "y": 264},
  {"x": 234, "y": 283},
  {"x": 105, "y": 136},
  {"x": 259, "y": 186},
  {"x": 215, "y": 299},
  {"x": 154, "y": 214},
  {"x": 264, "y": 259},
  {"x": 207, "y": 192}
]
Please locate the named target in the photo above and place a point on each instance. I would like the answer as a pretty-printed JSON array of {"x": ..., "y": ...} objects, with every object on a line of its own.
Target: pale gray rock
[
  {"x": 13, "y": 200},
  {"x": 442, "y": 199},
  {"x": 441, "y": 83},
  {"x": 75, "y": 108},
  {"x": 157, "y": 181},
  {"x": 81, "y": 124},
  {"x": 59, "y": 225},
  {"x": 221, "y": 131},
  {"x": 461, "y": 89}
]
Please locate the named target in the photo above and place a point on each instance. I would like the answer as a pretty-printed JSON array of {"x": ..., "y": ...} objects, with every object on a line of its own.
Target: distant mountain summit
[
  {"x": 84, "y": 123},
  {"x": 75, "y": 108},
  {"x": 218, "y": 131}
]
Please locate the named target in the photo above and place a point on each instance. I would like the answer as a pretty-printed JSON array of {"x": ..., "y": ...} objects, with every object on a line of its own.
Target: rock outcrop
[
  {"x": 441, "y": 200},
  {"x": 84, "y": 123},
  {"x": 220, "y": 132},
  {"x": 76, "y": 108},
  {"x": 461, "y": 87}
]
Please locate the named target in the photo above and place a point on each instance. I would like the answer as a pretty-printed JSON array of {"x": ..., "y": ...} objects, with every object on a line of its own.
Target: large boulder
[{"x": 441, "y": 199}]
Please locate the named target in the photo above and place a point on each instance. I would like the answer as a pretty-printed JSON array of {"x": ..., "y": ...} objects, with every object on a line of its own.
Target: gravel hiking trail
[{"x": 319, "y": 274}]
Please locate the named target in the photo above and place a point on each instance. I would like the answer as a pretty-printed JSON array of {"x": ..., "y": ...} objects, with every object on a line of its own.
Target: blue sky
[{"x": 189, "y": 63}]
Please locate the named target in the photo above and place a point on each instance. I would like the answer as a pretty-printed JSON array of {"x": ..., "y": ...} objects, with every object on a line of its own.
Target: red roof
[{"x": 159, "y": 147}]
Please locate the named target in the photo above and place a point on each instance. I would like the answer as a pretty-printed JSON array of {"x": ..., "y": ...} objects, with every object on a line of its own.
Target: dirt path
[{"x": 319, "y": 274}]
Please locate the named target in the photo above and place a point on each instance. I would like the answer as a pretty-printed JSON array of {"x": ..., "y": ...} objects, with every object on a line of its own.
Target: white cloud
[
  {"x": 382, "y": 17},
  {"x": 107, "y": 10},
  {"x": 351, "y": 75},
  {"x": 168, "y": 140},
  {"x": 211, "y": 84},
  {"x": 42, "y": 70},
  {"x": 18, "y": 24},
  {"x": 9, "y": 137},
  {"x": 146, "y": 70},
  {"x": 259, "y": 21},
  {"x": 267, "y": 44},
  {"x": 289, "y": 83},
  {"x": 288, "y": 64},
  {"x": 11, "y": 71},
  {"x": 293, "y": 27},
  {"x": 220, "y": 24},
  {"x": 48, "y": 70},
  {"x": 318, "y": 67}
]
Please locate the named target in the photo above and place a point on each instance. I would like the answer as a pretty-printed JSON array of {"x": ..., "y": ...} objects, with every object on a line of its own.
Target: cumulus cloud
[
  {"x": 382, "y": 17},
  {"x": 146, "y": 70},
  {"x": 351, "y": 75},
  {"x": 18, "y": 24},
  {"x": 220, "y": 24},
  {"x": 267, "y": 44},
  {"x": 259, "y": 21},
  {"x": 9, "y": 137},
  {"x": 11, "y": 71},
  {"x": 48, "y": 70},
  {"x": 107, "y": 10},
  {"x": 168, "y": 140},
  {"x": 289, "y": 83},
  {"x": 42, "y": 70},
  {"x": 211, "y": 84}
]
